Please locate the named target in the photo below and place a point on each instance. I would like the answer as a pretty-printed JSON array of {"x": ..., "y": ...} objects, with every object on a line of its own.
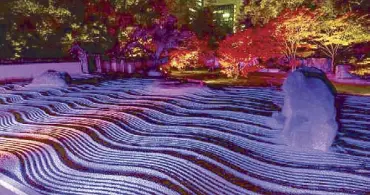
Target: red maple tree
[{"x": 241, "y": 51}]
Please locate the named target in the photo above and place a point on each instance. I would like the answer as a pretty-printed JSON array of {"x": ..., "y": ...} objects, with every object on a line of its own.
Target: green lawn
[
  {"x": 258, "y": 79},
  {"x": 217, "y": 79},
  {"x": 352, "y": 88}
]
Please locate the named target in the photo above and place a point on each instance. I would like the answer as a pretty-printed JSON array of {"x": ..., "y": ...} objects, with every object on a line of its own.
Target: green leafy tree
[
  {"x": 181, "y": 9},
  {"x": 260, "y": 12},
  {"x": 335, "y": 35},
  {"x": 294, "y": 29},
  {"x": 203, "y": 24},
  {"x": 146, "y": 12},
  {"x": 31, "y": 27},
  {"x": 362, "y": 6}
]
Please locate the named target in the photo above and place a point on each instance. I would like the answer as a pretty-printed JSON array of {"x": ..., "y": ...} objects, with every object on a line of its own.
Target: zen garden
[{"x": 207, "y": 97}]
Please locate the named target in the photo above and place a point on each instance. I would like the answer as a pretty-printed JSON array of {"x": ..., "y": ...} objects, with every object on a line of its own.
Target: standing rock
[
  {"x": 309, "y": 114},
  {"x": 51, "y": 78}
]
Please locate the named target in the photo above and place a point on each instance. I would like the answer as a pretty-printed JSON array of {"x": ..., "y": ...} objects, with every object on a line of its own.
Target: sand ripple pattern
[{"x": 145, "y": 136}]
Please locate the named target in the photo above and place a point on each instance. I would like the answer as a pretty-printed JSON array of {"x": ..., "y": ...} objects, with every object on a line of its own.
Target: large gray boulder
[
  {"x": 51, "y": 78},
  {"x": 154, "y": 73},
  {"x": 308, "y": 116}
]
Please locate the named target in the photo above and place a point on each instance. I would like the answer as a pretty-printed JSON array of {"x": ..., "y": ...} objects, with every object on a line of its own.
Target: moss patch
[
  {"x": 258, "y": 79},
  {"x": 217, "y": 79},
  {"x": 354, "y": 89}
]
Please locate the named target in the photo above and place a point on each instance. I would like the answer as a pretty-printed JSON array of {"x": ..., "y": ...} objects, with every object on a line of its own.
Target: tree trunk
[
  {"x": 98, "y": 63},
  {"x": 292, "y": 63},
  {"x": 113, "y": 63},
  {"x": 84, "y": 63},
  {"x": 158, "y": 53},
  {"x": 122, "y": 66},
  {"x": 333, "y": 64}
]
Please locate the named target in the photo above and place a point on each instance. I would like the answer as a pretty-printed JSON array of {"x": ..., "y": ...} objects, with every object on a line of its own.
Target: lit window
[{"x": 226, "y": 15}]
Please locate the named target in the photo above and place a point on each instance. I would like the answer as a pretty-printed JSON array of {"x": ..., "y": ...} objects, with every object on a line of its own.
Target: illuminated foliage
[
  {"x": 153, "y": 41},
  {"x": 181, "y": 10},
  {"x": 293, "y": 29},
  {"x": 134, "y": 42},
  {"x": 364, "y": 69},
  {"x": 260, "y": 12},
  {"x": 344, "y": 6},
  {"x": 38, "y": 27},
  {"x": 204, "y": 25},
  {"x": 182, "y": 59},
  {"x": 97, "y": 32},
  {"x": 147, "y": 28},
  {"x": 139, "y": 29},
  {"x": 29, "y": 26},
  {"x": 164, "y": 35},
  {"x": 188, "y": 54},
  {"x": 240, "y": 53},
  {"x": 145, "y": 12},
  {"x": 333, "y": 35}
]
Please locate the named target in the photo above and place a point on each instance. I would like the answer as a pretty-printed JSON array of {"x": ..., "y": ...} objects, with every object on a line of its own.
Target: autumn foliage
[
  {"x": 189, "y": 55},
  {"x": 294, "y": 30},
  {"x": 144, "y": 29},
  {"x": 241, "y": 52}
]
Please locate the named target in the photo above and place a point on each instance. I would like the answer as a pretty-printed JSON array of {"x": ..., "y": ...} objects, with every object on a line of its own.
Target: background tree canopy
[{"x": 47, "y": 28}]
